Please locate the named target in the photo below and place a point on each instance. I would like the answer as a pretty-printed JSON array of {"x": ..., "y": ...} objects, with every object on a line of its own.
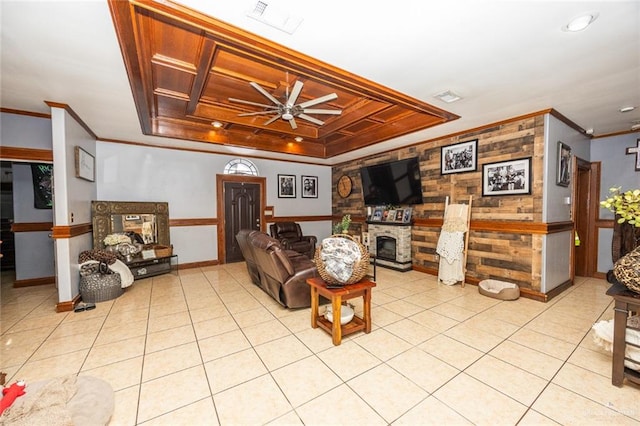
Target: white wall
[
  {"x": 556, "y": 248},
  {"x": 72, "y": 199},
  {"x": 618, "y": 169},
  {"x": 25, "y": 131},
  {"x": 187, "y": 181}
]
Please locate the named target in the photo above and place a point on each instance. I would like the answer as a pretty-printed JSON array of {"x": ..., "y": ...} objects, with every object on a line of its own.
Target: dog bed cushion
[{"x": 499, "y": 289}]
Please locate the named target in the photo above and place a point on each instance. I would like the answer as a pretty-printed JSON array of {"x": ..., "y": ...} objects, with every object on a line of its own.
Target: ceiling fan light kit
[{"x": 289, "y": 110}]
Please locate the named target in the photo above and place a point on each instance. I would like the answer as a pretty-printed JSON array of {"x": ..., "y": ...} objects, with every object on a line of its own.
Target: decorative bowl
[{"x": 346, "y": 314}]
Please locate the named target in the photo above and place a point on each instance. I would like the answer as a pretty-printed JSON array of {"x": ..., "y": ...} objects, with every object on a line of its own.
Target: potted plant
[
  {"x": 343, "y": 226},
  {"x": 626, "y": 228}
]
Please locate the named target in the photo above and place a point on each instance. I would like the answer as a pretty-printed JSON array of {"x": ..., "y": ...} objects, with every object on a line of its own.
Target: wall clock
[{"x": 345, "y": 185}]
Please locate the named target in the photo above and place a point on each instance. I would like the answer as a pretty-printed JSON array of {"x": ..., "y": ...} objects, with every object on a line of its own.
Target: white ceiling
[{"x": 505, "y": 58}]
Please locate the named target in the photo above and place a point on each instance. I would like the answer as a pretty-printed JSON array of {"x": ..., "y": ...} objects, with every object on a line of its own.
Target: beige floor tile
[
  {"x": 169, "y": 338},
  {"x": 389, "y": 392},
  {"x": 599, "y": 362},
  {"x": 382, "y": 344},
  {"x": 381, "y": 316},
  {"x": 118, "y": 351},
  {"x": 126, "y": 407},
  {"x": 569, "y": 408},
  {"x": 198, "y": 413},
  {"x": 49, "y": 322},
  {"x": 271, "y": 352},
  {"x": 453, "y": 311},
  {"x": 533, "y": 418},
  {"x": 431, "y": 412},
  {"x": 171, "y": 392},
  {"x": 411, "y": 331},
  {"x": 296, "y": 321},
  {"x": 258, "y": 401},
  {"x": 493, "y": 408},
  {"x": 55, "y": 347},
  {"x": 231, "y": 370},
  {"x": 434, "y": 321},
  {"x": 468, "y": 334},
  {"x": 49, "y": 368},
  {"x": 253, "y": 317},
  {"x": 423, "y": 369},
  {"x": 70, "y": 329},
  {"x": 118, "y": 319},
  {"x": 508, "y": 379},
  {"x": 318, "y": 378},
  {"x": 348, "y": 360},
  {"x": 316, "y": 339},
  {"x": 403, "y": 308},
  {"x": 168, "y": 361},
  {"x": 119, "y": 375},
  {"x": 289, "y": 419},
  {"x": 451, "y": 351},
  {"x": 346, "y": 408},
  {"x": 121, "y": 332},
  {"x": 166, "y": 322},
  {"x": 543, "y": 343},
  {"x": 491, "y": 325},
  {"x": 535, "y": 362},
  {"x": 214, "y": 327},
  {"x": 599, "y": 388},
  {"x": 265, "y": 332},
  {"x": 222, "y": 345}
]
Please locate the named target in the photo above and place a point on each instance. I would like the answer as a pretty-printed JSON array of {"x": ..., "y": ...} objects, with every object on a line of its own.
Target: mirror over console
[{"x": 149, "y": 220}]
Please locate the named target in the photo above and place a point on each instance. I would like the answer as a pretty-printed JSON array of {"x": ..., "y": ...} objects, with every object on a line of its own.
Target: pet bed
[{"x": 499, "y": 289}]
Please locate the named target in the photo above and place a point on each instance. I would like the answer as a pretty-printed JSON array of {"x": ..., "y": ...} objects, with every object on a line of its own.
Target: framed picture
[
  {"x": 365, "y": 239},
  {"x": 511, "y": 177},
  {"x": 407, "y": 215},
  {"x": 563, "y": 171},
  {"x": 399, "y": 215},
  {"x": 377, "y": 214},
  {"x": 309, "y": 186},
  {"x": 286, "y": 186},
  {"x": 85, "y": 165},
  {"x": 356, "y": 238},
  {"x": 459, "y": 158}
]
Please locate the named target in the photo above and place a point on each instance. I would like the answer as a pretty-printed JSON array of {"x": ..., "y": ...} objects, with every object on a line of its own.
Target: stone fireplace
[{"x": 391, "y": 245}]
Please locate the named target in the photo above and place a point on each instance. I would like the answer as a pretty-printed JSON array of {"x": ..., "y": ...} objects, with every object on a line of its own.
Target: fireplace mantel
[{"x": 401, "y": 233}]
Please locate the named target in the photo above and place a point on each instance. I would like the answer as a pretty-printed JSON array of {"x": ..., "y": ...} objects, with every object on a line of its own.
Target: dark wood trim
[
  {"x": 568, "y": 122},
  {"x": 31, "y": 226},
  {"x": 604, "y": 223},
  {"x": 556, "y": 291},
  {"x": 220, "y": 181},
  {"x": 73, "y": 114},
  {"x": 26, "y": 154},
  {"x": 68, "y": 305},
  {"x": 200, "y": 264},
  {"x": 194, "y": 222},
  {"x": 608, "y": 135},
  {"x": 513, "y": 227},
  {"x": 71, "y": 231},
  {"x": 31, "y": 282},
  {"x": 600, "y": 275},
  {"x": 28, "y": 113},
  {"x": 278, "y": 219}
]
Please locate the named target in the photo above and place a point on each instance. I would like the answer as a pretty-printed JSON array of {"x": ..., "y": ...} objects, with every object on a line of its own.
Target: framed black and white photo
[
  {"x": 286, "y": 186},
  {"x": 309, "y": 186},
  {"x": 85, "y": 165},
  {"x": 563, "y": 171},
  {"x": 459, "y": 158},
  {"x": 511, "y": 177}
]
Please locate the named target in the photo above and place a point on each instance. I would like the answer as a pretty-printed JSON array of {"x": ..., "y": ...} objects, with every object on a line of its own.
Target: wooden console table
[
  {"x": 625, "y": 301},
  {"x": 337, "y": 295}
]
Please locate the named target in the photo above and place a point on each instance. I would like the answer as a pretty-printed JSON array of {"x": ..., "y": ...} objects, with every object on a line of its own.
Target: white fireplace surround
[{"x": 402, "y": 235}]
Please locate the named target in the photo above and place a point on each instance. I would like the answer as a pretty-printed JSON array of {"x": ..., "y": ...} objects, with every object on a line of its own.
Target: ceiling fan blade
[
  {"x": 311, "y": 119},
  {"x": 293, "y": 124},
  {"x": 316, "y": 101},
  {"x": 247, "y": 114},
  {"x": 323, "y": 111},
  {"x": 297, "y": 88},
  {"x": 271, "y": 120},
  {"x": 265, "y": 93},
  {"x": 242, "y": 101}
]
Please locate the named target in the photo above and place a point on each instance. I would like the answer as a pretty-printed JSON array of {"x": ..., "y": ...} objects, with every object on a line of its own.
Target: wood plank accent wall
[{"x": 506, "y": 231}]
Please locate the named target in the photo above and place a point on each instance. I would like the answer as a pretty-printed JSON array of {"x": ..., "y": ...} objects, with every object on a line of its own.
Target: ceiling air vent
[{"x": 274, "y": 18}]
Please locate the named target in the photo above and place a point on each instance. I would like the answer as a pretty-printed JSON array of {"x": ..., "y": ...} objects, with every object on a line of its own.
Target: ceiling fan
[{"x": 289, "y": 110}]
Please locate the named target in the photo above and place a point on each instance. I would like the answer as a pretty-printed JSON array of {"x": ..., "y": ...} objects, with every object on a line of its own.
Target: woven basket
[
  {"x": 163, "y": 251},
  {"x": 627, "y": 270},
  {"x": 99, "y": 287},
  {"x": 360, "y": 268}
]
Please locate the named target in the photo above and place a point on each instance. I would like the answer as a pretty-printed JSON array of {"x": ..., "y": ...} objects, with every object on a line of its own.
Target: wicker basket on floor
[
  {"x": 99, "y": 287},
  {"x": 360, "y": 268}
]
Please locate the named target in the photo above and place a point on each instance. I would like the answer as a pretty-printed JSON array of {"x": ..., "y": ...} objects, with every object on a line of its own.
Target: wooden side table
[
  {"x": 337, "y": 295},
  {"x": 625, "y": 301}
]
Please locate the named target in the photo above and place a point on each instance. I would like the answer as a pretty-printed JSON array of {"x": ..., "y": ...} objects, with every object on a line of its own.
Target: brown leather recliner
[
  {"x": 290, "y": 235},
  {"x": 242, "y": 237},
  {"x": 282, "y": 277}
]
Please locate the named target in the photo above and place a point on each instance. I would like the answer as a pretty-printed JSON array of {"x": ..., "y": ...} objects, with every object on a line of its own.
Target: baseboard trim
[
  {"x": 34, "y": 282},
  {"x": 68, "y": 305},
  {"x": 192, "y": 265}
]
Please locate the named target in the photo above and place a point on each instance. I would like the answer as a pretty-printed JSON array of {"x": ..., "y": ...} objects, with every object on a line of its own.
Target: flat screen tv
[{"x": 395, "y": 182}]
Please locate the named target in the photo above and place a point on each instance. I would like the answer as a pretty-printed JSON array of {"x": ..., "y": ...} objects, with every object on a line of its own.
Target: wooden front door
[
  {"x": 242, "y": 210},
  {"x": 585, "y": 205}
]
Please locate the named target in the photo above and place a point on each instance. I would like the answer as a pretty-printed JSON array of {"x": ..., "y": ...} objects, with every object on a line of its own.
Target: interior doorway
[
  {"x": 241, "y": 204},
  {"x": 584, "y": 209}
]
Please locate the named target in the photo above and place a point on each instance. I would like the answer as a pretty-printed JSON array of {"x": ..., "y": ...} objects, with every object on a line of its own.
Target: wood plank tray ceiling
[{"x": 184, "y": 66}]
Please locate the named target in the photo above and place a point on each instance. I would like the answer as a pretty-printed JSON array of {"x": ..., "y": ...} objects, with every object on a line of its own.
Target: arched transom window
[{"x": 240, "y": 166}]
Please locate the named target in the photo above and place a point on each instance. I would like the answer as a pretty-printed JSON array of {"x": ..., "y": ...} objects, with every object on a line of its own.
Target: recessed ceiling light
[
  {"x": 447, "y": 96},
  {"x": 298, "y": 139},
  {"x": 216, "y": 124},
  {"x": 581, "y": 22},
  {"x": 627, "y": 109}
]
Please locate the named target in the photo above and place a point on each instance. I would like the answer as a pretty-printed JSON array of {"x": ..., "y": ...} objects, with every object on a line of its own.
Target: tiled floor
[{"x": 208, "y": 347}]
